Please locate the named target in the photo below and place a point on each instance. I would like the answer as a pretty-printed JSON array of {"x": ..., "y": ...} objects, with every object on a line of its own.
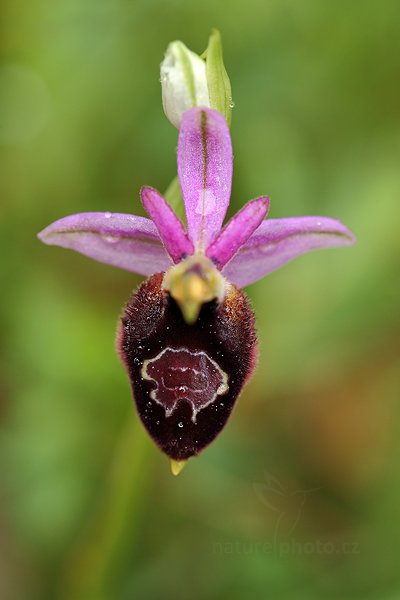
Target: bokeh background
[{"x": 299, "y": 498}]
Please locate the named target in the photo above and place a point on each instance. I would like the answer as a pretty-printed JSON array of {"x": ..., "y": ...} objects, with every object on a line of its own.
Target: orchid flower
[{"x": 187, "y": 336}]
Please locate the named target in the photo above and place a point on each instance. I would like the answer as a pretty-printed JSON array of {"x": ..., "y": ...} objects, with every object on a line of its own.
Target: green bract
[{"x": 219, "y": 85}]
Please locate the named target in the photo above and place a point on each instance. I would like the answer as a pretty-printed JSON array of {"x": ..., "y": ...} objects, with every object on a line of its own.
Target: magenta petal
[
  {"x": 277, "y": 241},
  {"x": 169, "y": 227},
  {"x": 205, "y": 172},
  {"x": 125, "y": 241},
  {"x": 237, "y": 231}
]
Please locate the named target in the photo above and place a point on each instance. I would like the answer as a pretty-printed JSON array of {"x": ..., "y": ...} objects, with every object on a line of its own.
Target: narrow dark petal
[
  {"x": 125, "y": 241},
  {"x": 237, "y": 231},
  {"x": 170, "y": 228},
  {"x": 186, "y": 378}
]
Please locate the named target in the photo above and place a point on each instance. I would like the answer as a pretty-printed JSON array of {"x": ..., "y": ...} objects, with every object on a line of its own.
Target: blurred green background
[{"x": 299, "y": 498}]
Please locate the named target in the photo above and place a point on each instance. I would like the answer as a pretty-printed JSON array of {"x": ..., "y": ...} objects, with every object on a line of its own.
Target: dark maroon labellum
[{"x": 186, "y": 378}]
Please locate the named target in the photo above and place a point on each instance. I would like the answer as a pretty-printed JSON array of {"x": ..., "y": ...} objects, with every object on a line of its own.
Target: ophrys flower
[{"x": 187, "y": 336}]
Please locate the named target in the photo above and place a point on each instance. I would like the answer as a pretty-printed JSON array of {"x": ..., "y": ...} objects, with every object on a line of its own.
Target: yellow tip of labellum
[
  {"x": 177, "y": 466},
  {"x": 192, "y": 283}
]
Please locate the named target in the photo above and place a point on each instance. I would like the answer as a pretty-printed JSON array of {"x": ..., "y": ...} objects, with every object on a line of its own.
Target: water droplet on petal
[
  {"x": 107, "y": 215},
  {"x": 110, "y": 239},
  {"x": 180, "y": 424}
]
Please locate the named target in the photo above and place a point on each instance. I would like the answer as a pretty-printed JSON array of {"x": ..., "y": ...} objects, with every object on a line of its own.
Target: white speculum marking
[{"x": 182, "y": 374}]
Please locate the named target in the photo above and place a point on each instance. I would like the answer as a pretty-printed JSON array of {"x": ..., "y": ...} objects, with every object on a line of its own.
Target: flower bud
[{"x": 183, "y": 82}]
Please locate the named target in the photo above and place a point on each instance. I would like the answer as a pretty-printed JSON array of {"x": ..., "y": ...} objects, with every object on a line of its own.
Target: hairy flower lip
[{"x": 184, "y": 425}]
